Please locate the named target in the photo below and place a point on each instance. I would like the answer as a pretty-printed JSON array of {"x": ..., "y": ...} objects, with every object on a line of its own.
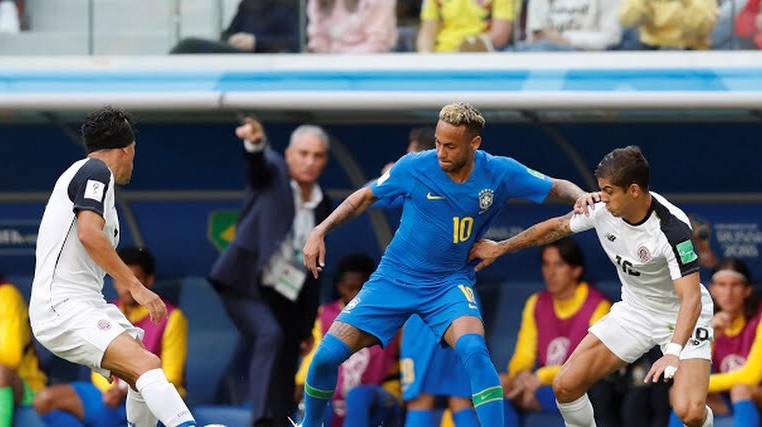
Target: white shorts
[
  {"x": 630, "y": 333},
  {"x": 80, "y": 331}
]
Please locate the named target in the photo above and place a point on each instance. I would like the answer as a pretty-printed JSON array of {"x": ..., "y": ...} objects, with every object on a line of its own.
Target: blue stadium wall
[{"x": 689, "y": 158}]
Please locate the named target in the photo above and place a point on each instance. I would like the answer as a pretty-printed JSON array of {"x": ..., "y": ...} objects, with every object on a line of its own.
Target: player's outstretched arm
[
  {"x": 314, "y": 250},
  {"x": 567, "y": 191},
  {"x": 97, "y": 245},
  {"x": 539, "y": 234}
]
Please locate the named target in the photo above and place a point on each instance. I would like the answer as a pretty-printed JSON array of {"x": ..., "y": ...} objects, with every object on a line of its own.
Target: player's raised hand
[
  {"x": 314, "y": 253},
  {"x": 486, "y": 250},
  {"x": 148, "y": 299},
  {"x": 586, "y": 202},
  {"x": 251, "y": 130},
  {"x": 666, "y": 365}
]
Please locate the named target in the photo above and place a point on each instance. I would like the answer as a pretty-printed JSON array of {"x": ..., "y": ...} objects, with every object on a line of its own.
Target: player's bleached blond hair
[{"x": 463, "y": 114}]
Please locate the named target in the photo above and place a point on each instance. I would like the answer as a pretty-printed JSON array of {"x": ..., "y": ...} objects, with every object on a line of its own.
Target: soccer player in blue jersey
[{"x": 450, "y": 197}]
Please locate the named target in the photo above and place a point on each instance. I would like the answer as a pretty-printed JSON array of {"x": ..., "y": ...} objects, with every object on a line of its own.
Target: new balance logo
[
  {"x": 434, "y": 197},
  {"x": 610, "y": 237}
]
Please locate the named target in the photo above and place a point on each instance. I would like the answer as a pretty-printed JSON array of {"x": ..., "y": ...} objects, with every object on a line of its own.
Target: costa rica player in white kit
[
  {"x": 75, "y": 249},
  {"x": 663, "y": 302}
]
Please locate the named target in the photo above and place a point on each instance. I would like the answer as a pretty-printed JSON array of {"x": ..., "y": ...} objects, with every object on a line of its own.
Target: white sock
[
  {"x": 163, "y": 399},
  {"x": 138, "y": 414},
  {"x": 578, "y": 413},
  {"x": 709, "y": 421}
]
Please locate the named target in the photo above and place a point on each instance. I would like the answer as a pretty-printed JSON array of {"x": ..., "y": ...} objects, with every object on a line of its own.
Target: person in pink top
[{"x": 351, "y": 26}]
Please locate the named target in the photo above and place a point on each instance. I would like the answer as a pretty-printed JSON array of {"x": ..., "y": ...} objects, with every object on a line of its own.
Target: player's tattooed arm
[
  {"x": 565, "y": 191},
  {"x": 539, "y": 234},
  {"x": 357, "y": 203}
]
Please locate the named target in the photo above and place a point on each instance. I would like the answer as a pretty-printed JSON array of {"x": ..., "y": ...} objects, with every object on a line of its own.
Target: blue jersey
[{"x": 441, "y": 219}]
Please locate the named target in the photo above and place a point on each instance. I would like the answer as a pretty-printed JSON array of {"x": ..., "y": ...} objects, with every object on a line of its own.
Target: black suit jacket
[{"x": 266, "y": 218}]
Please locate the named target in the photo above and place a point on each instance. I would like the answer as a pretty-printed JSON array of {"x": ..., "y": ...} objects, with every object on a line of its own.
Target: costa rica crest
[{"x": 644, "y": 254}]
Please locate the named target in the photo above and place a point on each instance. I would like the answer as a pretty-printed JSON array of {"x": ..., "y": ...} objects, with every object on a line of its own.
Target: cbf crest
[{"x": 486, "y": 197}]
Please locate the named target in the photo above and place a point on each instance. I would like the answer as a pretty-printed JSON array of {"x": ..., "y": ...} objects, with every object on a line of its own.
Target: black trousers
[
  {"x": 271, "y": 328},
  {"x": 198, "y": 45}
]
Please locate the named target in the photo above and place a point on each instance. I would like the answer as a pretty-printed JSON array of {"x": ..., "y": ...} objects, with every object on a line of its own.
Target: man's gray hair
[{"x": 312, "y": 130}]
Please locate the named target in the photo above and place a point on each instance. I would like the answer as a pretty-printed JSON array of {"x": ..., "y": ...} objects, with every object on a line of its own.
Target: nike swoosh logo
[
  {"x": 472, "y": 306},
  {"x": 434, "y": 197}
]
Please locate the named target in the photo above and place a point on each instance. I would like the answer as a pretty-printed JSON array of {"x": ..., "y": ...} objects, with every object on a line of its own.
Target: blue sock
[
  {"x": 419, "y": 418},
  {"x": 329, "y": 414},
  {"x": 465, "y": 418},
  {"x": 485, "y": 384},
  {"x": 674, "y": 421},
  {"x": 547, "y": 399},
  {"x": 61, "y": 419},
  {"x": 322, "y": 377},
  {"x": 360, "y": 400},
  {"x": 745, "y": 413},
  {"x": 511, "y": 414},
  {"x": 384, "y": 409}
]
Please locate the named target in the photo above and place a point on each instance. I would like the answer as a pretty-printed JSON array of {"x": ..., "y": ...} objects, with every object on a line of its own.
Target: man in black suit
[{"x": 260, "y": 276}]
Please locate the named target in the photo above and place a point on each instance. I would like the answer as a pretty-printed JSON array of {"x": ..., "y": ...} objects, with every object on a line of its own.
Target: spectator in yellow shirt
[
  {"x": 671, "y": 24},
  {"x": 100, "y": 403},
  {"x": 20, "y": 374},
  {"x": 553, "y": 322},
  {"x": 465, "y": 25}
]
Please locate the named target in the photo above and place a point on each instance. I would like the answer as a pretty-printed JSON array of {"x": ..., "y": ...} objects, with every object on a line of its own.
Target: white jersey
[
  {"x": 648, "y": 256},
  {"x": 63, "y": 267}
]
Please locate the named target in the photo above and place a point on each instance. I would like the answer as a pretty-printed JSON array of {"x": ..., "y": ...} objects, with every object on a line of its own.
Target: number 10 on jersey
[{"x": 461, "y": 228}]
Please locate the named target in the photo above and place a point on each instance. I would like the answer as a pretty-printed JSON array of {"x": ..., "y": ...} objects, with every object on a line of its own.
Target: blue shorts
[
  {"x": 383, "y": 305},
  {"x": 97, "y": 414},
  {"x": 428, "y": 367}
]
